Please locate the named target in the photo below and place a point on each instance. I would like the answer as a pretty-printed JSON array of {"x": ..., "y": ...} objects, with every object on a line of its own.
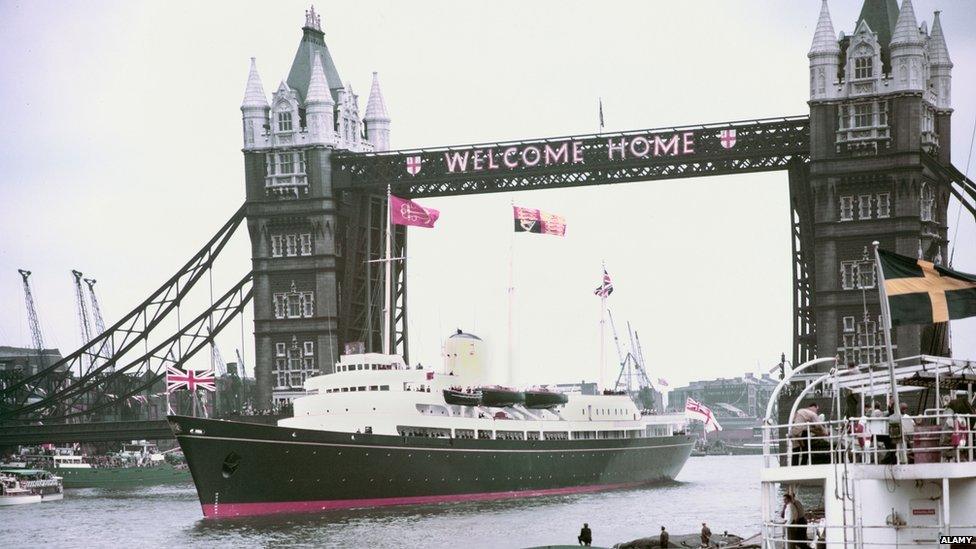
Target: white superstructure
[
  {"x": 862, "y": 483},
  {"x": 379, "y": 394}
]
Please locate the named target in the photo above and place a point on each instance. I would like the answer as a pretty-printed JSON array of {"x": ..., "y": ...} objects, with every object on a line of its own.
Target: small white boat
[{"x": 18, "y": 486}]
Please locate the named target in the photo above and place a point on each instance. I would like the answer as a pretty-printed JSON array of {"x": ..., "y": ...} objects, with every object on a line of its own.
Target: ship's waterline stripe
[
  {"x": 423, "y": 449},
  {"x": 269, "y": 508}
]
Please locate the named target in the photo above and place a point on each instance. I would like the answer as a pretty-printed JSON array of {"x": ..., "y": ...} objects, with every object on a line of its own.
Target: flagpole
[
  {"x": 886, "y": 326},
  {"x": 511, "y": 303},
  {"x": 603, "y": 331},
  {"x": 388, "y": 274}
]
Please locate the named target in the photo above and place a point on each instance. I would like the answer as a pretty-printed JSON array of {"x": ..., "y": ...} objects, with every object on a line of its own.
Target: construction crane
[
  {"x": 97, "y": 312},
  {"x": 37, "y": 338},
  {"x": 218, "y": 364}
]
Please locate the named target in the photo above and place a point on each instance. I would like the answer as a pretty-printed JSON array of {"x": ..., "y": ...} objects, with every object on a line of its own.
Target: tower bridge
[{"x": 869, "y": 162}]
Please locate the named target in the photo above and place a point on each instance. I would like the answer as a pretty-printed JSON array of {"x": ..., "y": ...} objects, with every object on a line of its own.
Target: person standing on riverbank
[
  {"x": 665, "y": 538},
  {"x": 706, "y": 535}
]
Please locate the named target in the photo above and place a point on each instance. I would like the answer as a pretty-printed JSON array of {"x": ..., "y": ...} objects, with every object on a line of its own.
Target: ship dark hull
[{"x": 247, "y": 469}]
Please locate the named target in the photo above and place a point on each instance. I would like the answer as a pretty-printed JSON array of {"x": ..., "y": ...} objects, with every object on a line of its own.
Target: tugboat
[
  {"x": 376, "y": 432},
  {"x": 871, "y": 479},
  {"x": 19, "y": 486}
]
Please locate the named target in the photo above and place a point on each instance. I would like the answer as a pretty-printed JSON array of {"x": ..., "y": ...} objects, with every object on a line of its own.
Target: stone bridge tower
[
  {"x": 880, "y": 109},
  {"x": 296, "y": 222}
]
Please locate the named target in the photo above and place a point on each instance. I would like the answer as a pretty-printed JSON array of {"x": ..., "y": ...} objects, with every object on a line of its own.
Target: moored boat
[
  {"x": 138, "y": 463},
  {"x": 20, "y": 485}
]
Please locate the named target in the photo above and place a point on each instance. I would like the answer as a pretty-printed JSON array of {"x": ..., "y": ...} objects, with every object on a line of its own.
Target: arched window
[
  {"x": 864, "y": 62},
  {"x": 926, "y": 202}
]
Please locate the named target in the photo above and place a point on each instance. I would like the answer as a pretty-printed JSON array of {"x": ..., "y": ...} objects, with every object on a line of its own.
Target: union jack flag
[
  {"x": 605, "y": 289},
  {"x": 190, "y": 380}
]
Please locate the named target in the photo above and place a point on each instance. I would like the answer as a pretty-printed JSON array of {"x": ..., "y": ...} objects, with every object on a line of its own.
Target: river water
[{"x": 721, "y": 490}]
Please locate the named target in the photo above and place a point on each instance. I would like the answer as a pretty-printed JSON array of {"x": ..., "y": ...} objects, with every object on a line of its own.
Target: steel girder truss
[
  {"x": 106, "y": 349},
  {"x": 963, "y": 188},
  {"x": 759, "y": 145},
  {"x": 113, "y": 389},
  {"x": 801, "y": 239}
]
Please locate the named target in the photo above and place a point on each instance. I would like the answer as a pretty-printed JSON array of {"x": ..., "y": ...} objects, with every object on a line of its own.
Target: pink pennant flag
[{"x": 408, "y": 212}]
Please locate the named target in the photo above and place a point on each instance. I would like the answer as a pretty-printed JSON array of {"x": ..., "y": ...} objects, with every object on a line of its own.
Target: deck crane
[
  {"x": 97, "y": 312},
  {"x": 37, "y": 338}
]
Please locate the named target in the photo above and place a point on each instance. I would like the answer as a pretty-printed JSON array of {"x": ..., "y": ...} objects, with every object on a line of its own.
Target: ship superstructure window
[
  {"x": 864, "y": 206},
  {"x": 510, "y": 435},
  {"x": 464, "y": 433},
  {"x": 556, "y": 435},
  {"x": 863, "y": 67},
  {"x": 884, "y": 204},
  {"x": 284, "y": 121},
  {"x": 846, "y": 208},
  {"x": 926, "y": 202}
]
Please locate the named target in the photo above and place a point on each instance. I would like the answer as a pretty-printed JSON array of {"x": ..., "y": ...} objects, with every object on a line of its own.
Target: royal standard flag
[{"x": 920, "y": 292}]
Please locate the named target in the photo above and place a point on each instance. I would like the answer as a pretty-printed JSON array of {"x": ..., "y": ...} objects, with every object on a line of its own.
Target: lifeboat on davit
[
  {"x": 501, "y": 397},
  {"x": 462, "y": 398},
  {"x": 541, "y": 399}
]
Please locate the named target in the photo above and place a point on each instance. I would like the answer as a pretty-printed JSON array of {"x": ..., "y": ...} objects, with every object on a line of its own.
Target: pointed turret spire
[
  {"x": 318, "y": 85},
  {"x": 906, "y": 29},
  {"x": 254, "y": 92},
  {"x": 824, "y": 39},
  {"x": 938, "y": 51},
  {"x": 375, "y": 105}
]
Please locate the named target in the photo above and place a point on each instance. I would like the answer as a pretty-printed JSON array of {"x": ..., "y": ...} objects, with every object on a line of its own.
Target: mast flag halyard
[{"x": 603, "y": 291}]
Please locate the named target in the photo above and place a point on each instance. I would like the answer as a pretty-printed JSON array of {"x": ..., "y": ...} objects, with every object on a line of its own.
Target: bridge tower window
[
  {"x": 864, "y": 206},
  {"x": 284, "y": 121},
  {"x": 926, "y": 202},
  {"x": 847, "y": 208},
  {"x": 884, "y": 205},
  {"x": 863, "y": 67}
]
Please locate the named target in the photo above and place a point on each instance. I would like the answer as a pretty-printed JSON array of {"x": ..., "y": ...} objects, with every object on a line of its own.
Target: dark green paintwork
[
  {"x": 122, "y": 477},
  {"x": 276, "y": 464}
]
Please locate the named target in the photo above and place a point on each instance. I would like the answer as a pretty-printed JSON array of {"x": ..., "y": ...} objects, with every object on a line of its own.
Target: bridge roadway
[{"x": 63, "y": 433}]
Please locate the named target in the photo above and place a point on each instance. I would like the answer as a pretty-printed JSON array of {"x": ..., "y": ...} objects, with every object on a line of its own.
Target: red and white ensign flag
[
  {"x": 530, "y": 220},
  {"x": 697, "y": 411},
  {"x": 190, "y": 380}
]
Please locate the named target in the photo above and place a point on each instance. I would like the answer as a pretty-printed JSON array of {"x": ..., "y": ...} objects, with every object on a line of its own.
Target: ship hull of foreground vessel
[{"x": 248, "y": 469}]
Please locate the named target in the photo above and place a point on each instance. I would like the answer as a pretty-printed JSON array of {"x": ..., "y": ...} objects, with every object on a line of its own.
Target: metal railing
[
  {"x": 936, "y": 437},
  {"x": 777, "y": 535}
]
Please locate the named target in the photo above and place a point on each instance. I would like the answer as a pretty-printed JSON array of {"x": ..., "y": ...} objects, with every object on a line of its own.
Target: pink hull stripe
[{"x": 270, "y": 508}]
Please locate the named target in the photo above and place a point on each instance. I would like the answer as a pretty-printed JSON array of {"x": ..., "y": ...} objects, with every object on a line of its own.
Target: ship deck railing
[
  {"x": 777, "y": 535},
  {"x": 939, "y": 436}
]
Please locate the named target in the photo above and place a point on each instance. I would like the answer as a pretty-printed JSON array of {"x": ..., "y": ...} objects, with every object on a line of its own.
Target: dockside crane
[
  {"x": 37, "y": 338},
  {"x": 84, "y": 324},
  {"x": 97, "y": 312}
]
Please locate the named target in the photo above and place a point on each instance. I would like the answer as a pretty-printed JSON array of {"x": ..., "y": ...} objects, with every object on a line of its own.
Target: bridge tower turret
[
  {"x": 878, "y": 120},
  {"x": 377, "y": 119}
]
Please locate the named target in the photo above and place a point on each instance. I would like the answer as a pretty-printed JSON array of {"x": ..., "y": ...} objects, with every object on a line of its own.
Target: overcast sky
[{"x": 120, "y": 156}]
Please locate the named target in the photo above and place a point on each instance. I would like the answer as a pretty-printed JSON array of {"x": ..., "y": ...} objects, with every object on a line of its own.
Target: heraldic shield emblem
[
  {"x": 413, "y": 165},
  {"x": 727, "y": 138}
]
